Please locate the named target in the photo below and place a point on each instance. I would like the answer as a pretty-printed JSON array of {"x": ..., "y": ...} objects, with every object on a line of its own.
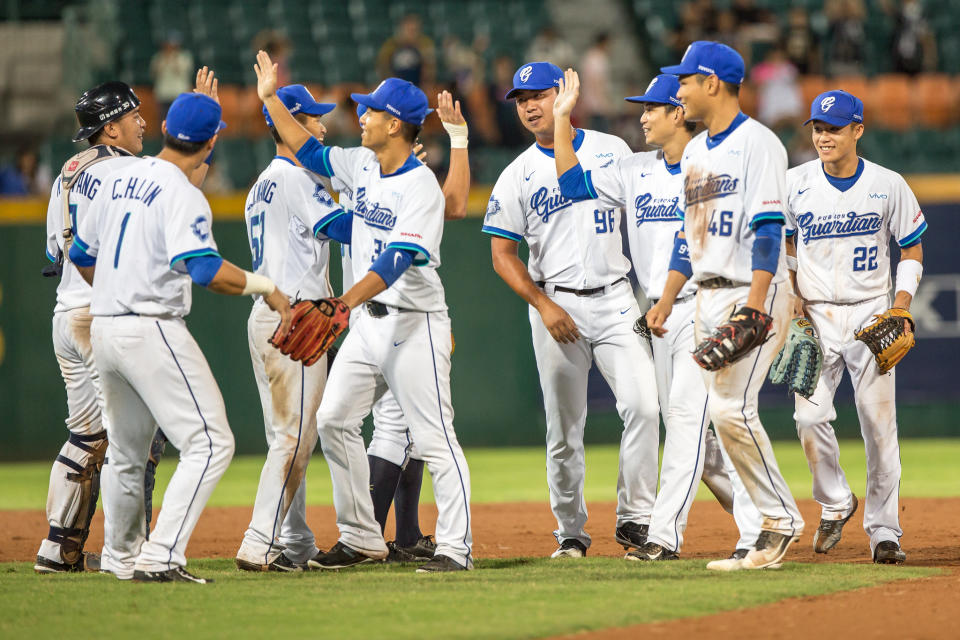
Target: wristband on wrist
[
  {"x": 909, "y": 273},
  {"x": 792, "y": 263},
  {"x": 458, "y": 135},
  {"x": 258, "y": 285}
]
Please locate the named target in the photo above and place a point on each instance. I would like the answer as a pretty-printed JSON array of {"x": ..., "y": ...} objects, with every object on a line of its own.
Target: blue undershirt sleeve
[
  {"x": 680, "y": 258},
  {"x": 313, "y": 156},
  {"x": 573, "y": 184},
  {"x": 338, "y": 226},
  {"x": 392, "y": 263},
  {"x": 766, "y": 245},
  {"x": 79, "y": 258},
  {"x": 202, "y": 269}
]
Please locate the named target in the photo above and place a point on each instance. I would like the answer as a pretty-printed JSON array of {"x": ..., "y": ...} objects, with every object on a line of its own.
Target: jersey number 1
[
  {"x": 123, "y": 230},
  {"x": 256, "y": 239}
]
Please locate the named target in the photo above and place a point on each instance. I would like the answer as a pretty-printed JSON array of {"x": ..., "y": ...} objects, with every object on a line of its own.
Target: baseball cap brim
[
  {"x": 538, "y": 87},
  {"x": 680, "y": 70},
  {"x": 370, "y": 102},
  {"x": 650, "y": 99},
  {"x": 835, "y": 121},
  {"x": 318, "y": 108}
]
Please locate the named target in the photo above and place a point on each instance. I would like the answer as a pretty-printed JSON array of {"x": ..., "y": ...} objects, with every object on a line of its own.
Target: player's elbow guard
[
  {"x": 766, "y": 246},
  {"x": 680, "y": 258}
]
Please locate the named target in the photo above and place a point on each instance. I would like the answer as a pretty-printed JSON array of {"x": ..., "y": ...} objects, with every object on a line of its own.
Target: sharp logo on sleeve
[
  {"x": 525, "y": 73},
  {"x": 201, "y": 228},
  {"x": 826, "y": 103},
  {"x": 918, "y": 216},
  {"x": 493, "y": 206}
]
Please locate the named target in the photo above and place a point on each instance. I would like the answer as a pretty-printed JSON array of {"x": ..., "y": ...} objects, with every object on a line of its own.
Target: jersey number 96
[{"x": 606, "y": 220}]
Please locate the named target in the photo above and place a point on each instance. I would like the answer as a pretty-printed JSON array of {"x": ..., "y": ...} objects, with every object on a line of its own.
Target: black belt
[
  {"x": 693, "y": 295},
  {"x": 582, "y": 292},
  {"x": 717, "y": 283},
  {"x": 380, "y": 310}
]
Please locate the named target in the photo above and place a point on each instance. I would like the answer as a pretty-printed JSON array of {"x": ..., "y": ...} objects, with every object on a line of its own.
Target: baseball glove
[
  {"x": 315, "y": 326},
  {"x": 747, "y": 328},
  {"x": 641, "y": 328},
  {"x": 799, "y": 362},
  {"x": 887, "y": 338}
]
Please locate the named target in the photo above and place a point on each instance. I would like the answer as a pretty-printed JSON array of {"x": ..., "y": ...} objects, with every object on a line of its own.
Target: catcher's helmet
[{"x": 102, "y": 104}]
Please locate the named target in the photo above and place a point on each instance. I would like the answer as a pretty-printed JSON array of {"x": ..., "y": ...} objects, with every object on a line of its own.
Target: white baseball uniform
[
  {"x": 843, "y": 244},
  {"x": 391, "y": 439},
  {"x": 407, "y": 350},
  {"x": 281, "y": 210},
  {"x": 145, "y": 221},
  {"x": 71, "y": 344},
  {"x": 650, "y": 190},
  {"x": 578, "y": 246},
  {"x": 731, "y": 182}
]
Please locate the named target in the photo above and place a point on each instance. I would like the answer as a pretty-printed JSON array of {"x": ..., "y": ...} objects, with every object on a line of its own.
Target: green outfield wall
[{"x": 496, "y": 392}]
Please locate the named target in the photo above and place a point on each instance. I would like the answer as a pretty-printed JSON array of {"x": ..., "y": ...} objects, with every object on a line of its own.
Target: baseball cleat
[
  {"x": 440, "y": 563},
  {"x": 570, "y": 548},
  {"x": 733, "y": 563},
  {"x": 828, "y": 533},
  {"x": 339, "y": 557},
  {"x": 770, "y": 549},
  {"x": 177, "y": 574},
  {"x": 281, "y": 564},
  {"x": 889, "y": 552},
  {"x": 632, "y": 535},
  {"x": 651, "y": 552},
  {"x": 89, "y": 562},
  {"x": 422, "y": 550}
]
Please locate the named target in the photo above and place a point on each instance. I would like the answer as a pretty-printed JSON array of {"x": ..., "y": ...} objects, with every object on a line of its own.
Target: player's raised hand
[
  {"x": 206, "y": 83},
  {"x": 266, "y": 70},
  {"x": 279, "y": 302},
  {"x": 420, "y": 153},
  {"x": 559, "y": 323},
  {"x": 657, "y": 316},
  {"x": 448, "y": 110},
  {"x": 569, "y": 92}
]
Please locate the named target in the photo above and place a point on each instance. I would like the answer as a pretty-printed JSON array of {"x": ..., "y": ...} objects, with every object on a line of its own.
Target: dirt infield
[{"x": 911, "y": 609}]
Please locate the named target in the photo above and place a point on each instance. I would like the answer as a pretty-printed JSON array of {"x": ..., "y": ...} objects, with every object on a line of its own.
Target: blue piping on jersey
[
  {"x": 408, "y": 164},
  {"x": 577, "y": 141},
  {"x": 337, "y": 225},
  {"x": 766, "y": 216},
  {"x": 315, "y": 157},
  {"x": 713, "y": 141},
  {"x": 503, "y": 233},
  {"x": 411, "y": 246},
  {"x": 49, "y": 256},
  {"x": 914, "y": 238},
  {"x": 790, "y": 232},
  {"x": 843, "y": 184},
  {"x": 193, "y": 254},
  {"x": 80, "y": 257},
  {"x": 672, "y": 169},
  {"x": 80, "y": 244},
  {"x": 576, "y": 185},
  {"x": 285, "y": 160}
]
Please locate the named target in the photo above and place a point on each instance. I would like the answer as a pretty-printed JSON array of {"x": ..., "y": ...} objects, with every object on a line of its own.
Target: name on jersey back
[{"x": 143, "y": 190}]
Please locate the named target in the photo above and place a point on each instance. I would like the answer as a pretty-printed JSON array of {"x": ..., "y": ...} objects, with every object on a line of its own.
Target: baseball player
[
  {"x": 396, "y": 467},
  {"x": 402, "y": 333},
  {"x": 582, "y": 309},
  {"x": 842, "y": 212},
  {"x": 649, "y": 185},
  {"x": 110, "y": 121},
  {"x": 282, "y": 208},
  {"x": 147, "y": 235},
  {"x": 733, "y": 210}
]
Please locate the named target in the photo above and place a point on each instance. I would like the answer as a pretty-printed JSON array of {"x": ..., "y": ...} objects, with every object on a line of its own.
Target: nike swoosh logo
[
  {"x": 527, "y": 178},
  {"x": 625, "y": 310},
  {"x": 396, "y": 260},
  {"x": 397, "y": 344},
  {"x": 803, "y": 191},
  {"x": 644, "y": 175}
]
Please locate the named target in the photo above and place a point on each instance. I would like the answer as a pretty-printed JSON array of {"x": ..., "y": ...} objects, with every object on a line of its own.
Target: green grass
[
  {"x": 518, "y": 475},
  {"x": 506, "y": 599}
]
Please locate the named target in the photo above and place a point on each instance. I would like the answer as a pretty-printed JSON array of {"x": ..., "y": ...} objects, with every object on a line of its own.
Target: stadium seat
[
  {"x": 935, "y": 99},
  {"x": 811, "y": 86},
  {"x": 889, "y": 97}
]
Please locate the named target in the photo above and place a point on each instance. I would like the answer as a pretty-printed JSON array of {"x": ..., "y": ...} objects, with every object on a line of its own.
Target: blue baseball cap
[
  {"x": 399, "y": 98},
  {"x": 194, "y": 117},
  {"x": 710, "y": 58},
  {"x": 535, "y": 76},
  {"x": 360, "y": 111},
  {"x": 298, "y": 99},
  {"x": 838, "y": 108},
  {"x": 661, "y": 90}
]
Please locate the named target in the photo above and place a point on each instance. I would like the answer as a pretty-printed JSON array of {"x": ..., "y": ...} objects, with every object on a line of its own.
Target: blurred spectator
[
  {"x": 172, "y": 71},
  {"x": 547, "y": 46},
  {"x": 216, "y": 182},
  {"x": 408, "y": 54},
  {"x": 511, "y": 132},
  {"x": 847, "y": 36},
  {"x": 697, "y": 20},
  {"x": 779, "y": 100},
  {"x": 278, "y": 46},
  {"x": 801, "y": 147},
  {"x": 747, "y": 13},
  {"x": 725, "y": 30},
  {"x": 800, "y": 43},
  {"x": 26, "y": 177},
  {"x": 914, "y": 47},
  {"x": 464, "y": 65},
  {"x": 595, "y": 99}
]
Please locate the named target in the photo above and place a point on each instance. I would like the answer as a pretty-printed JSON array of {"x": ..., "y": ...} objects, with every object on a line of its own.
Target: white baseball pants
[
  {"x": 876, "y": 408},
  {"x": 153, "y": 373},
  {"x": 605, "y": 321}
]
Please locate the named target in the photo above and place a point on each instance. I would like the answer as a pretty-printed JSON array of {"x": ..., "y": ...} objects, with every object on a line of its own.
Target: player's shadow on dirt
[{"x": 503, "y": 563}]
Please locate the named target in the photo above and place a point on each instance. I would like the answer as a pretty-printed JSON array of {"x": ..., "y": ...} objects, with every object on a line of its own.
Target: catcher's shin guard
[
  {"x": 74, "y": 489},
  {"x": 150, "y": 475}
]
